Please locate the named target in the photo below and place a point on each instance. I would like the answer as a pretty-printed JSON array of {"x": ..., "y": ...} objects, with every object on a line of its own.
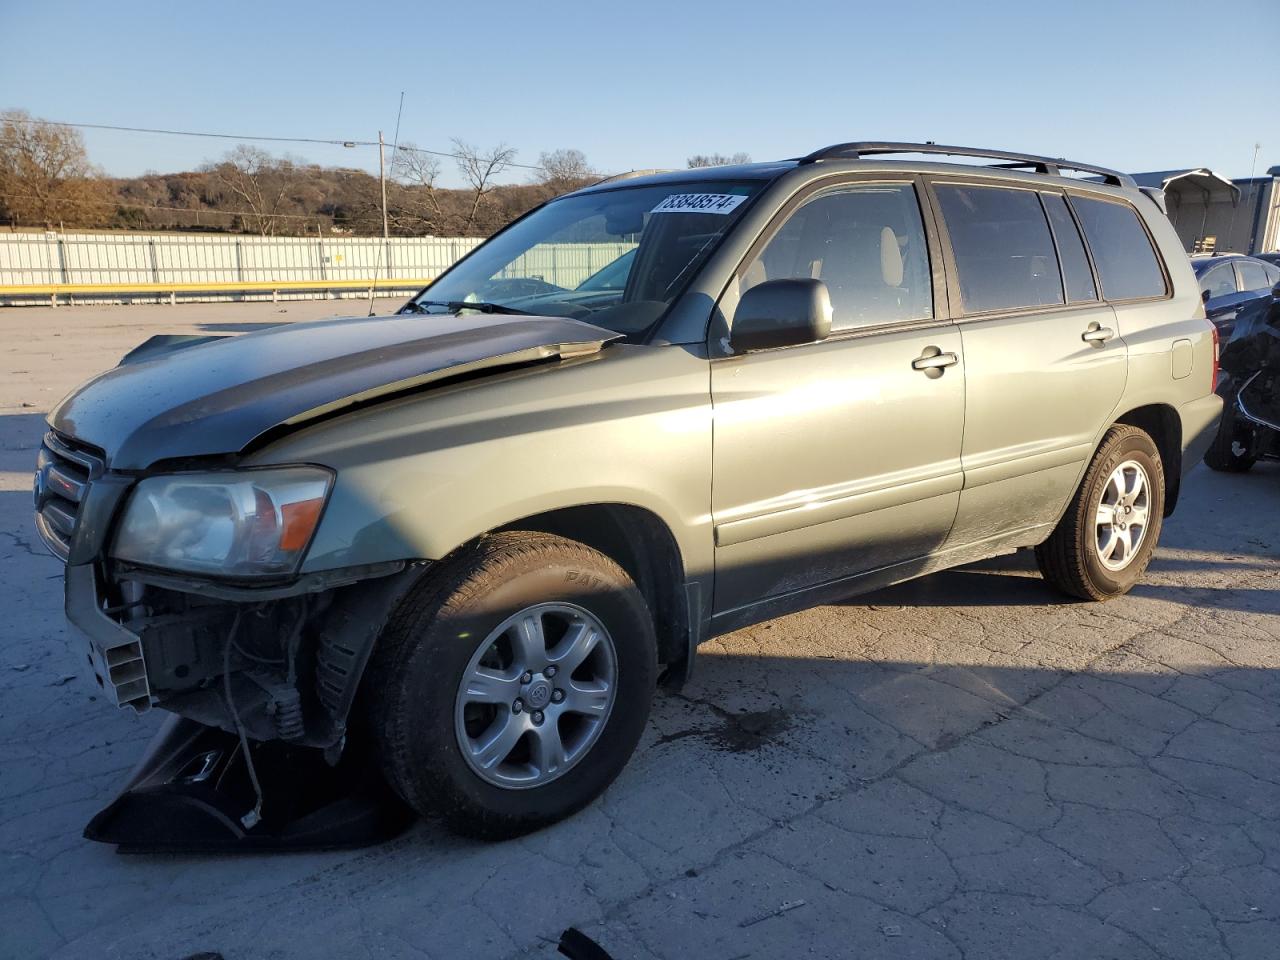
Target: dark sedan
[{"x": 1229, "y": 282}]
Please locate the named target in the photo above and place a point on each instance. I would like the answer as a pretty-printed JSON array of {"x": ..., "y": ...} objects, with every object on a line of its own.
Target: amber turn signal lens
[{"x": 299, "y": 521}]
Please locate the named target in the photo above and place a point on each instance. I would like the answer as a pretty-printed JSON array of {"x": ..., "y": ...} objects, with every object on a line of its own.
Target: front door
[
  {"x": 1222, "y": 298},
  {"x": 838, "y": 458}
]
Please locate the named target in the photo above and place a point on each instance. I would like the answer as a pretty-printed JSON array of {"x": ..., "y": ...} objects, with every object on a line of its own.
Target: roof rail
[{"x": 1049, "y": 165}]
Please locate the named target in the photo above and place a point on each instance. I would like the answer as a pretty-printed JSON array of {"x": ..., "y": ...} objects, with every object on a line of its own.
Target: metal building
[{"x": 1215, "y": 215}]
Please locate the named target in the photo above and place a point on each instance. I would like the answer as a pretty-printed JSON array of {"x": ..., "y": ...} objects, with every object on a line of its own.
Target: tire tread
[
  {"x": 1060, "y": 558},
  {"x": 469, "y": 572}
]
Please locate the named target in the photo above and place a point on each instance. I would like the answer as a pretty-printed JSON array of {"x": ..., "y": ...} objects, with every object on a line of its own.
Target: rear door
[
  {"x": 1044, "y": 362},
  {"x": 1220, "y": 288},
  {"x": 838, "y": 458}
]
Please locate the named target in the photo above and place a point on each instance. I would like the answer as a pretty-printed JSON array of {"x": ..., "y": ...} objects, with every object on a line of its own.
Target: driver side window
[
  {"x": 866, "y": 242},
  {"x": 1219, "y": 282}
]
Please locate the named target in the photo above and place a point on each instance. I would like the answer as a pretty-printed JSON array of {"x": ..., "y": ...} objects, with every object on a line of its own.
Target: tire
[
  {"x": 429, "y": 733},
  {"x": 1234, "y": 448},
  {"x": 1080, "y": 558}
]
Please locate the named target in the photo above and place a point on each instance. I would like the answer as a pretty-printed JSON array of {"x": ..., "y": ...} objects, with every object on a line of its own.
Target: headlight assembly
[{"x": 247, "y": 523}]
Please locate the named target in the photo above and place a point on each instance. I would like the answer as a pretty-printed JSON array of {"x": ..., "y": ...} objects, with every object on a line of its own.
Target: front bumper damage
[
  {"x": 294, "y": 656},
  {"x": 263, "y": 681},
  {"x": 190, "y": 791}
]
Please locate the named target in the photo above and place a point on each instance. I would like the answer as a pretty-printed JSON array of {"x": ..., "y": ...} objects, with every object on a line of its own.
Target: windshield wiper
[{"x": 456, "y": 306}]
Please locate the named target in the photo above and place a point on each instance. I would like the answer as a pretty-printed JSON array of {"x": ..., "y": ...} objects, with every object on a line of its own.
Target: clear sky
[{"x": 1133, "y": 84}]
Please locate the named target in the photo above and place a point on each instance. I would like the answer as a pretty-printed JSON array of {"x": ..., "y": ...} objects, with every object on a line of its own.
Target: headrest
[{"x": 890, "y": 258}]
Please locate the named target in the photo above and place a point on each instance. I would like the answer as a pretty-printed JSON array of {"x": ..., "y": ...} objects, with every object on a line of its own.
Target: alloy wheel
[
  {"x": 1123, "y": 514},
  {"x": 536, "y": 695}
]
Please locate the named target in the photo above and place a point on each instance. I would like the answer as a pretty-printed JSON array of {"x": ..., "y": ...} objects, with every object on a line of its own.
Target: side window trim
[
  {"x": 1155, "y": 247},
  {"x": 1084, "y": 241},
  {"x": 938, "y": 278}
]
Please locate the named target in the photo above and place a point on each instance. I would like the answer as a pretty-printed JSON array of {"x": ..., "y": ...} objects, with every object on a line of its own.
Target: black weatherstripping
[{"x": 857, "y": 150}]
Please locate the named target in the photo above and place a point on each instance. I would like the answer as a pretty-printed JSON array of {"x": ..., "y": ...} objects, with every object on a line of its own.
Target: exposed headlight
[{"x": 234, "y": 524}]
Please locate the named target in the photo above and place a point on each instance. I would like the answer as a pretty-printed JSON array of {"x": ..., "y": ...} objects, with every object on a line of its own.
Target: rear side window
[
  {"x": 1003, "y": 249},
  {"x": 1076, "y": 275},
  {"x": 1122, "y": 252},
  {"x": 1252, "y": 276}
]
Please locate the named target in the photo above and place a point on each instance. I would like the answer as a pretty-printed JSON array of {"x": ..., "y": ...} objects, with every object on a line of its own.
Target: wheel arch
[
  {"x": 1161, "y": 422},
  {"x": 640, "y": 542}
]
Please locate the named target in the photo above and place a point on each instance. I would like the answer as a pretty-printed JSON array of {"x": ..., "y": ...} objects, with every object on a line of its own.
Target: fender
[{"x": 418, "y": 476}]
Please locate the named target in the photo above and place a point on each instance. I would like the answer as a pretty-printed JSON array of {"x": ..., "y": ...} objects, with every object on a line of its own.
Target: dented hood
[{"x": 215, "y": 397}]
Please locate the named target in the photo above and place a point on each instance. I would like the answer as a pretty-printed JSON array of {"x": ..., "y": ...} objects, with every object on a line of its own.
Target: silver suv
[{"x": 652, "y": 411}]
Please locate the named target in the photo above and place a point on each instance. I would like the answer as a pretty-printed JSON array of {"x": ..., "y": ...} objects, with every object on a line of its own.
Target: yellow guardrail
[{"x": 56, "y": 290}]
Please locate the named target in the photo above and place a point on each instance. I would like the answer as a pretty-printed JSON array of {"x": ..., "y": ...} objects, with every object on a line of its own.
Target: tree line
[{"x": 47, "y": 180}]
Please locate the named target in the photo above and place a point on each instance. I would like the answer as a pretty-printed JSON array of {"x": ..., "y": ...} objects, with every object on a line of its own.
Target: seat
[{"x": 854, "y": 252}]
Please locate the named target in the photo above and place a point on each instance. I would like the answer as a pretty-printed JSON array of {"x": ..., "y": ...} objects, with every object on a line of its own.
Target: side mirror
[
  {"x": 1275, "y": 291},
  {"x": 781, "y": 313},
  {"x": 1204, "y": 296}
]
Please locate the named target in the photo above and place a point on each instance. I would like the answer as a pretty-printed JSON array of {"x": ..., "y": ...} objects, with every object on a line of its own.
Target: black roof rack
[{"x": 1050, "y": 165}]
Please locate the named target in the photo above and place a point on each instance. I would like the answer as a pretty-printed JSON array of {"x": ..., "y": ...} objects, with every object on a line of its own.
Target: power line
[
  {"x": 459, "y": 156},
  {"x": 232, "y": 136},
  {"x": 186, "y": 133}
]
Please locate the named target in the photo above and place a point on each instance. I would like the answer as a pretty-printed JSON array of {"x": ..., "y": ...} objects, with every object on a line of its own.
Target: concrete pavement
[{"x": 962, "y": 767}]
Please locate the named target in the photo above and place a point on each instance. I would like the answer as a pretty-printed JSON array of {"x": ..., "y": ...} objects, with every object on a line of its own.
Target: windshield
[{"x": 615, "y": 258}]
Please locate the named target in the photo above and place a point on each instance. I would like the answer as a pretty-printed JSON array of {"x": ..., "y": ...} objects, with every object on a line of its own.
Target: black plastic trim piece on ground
[{"x": 191, "y": 789}]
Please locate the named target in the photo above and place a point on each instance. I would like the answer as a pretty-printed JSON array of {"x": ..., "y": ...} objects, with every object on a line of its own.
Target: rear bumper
[{"x": 1199, "y": 426}]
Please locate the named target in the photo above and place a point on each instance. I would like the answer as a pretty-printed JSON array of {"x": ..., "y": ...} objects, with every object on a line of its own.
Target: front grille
[{"x": 64, "y": 470}]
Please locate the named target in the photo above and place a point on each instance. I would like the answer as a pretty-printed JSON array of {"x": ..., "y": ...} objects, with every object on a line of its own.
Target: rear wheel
[
  {"x": 1103, "y": 544},
  {"x": 513, "y": 687}
]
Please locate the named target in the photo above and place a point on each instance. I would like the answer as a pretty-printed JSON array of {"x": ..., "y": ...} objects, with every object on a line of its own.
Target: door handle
[
  {"x": 1097, "y": 334},
  {"x": 934, "y": 362}
]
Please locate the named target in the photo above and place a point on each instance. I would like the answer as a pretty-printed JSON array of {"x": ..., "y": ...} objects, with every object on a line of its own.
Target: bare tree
[
  {"x": 45, "y": 174},
  {"x": 260, "y": 182},
  {"x": 564, "y": 170},
  {"x": 479, "y": 168},
  {"x": 717, "y": 159},
  {"x": 415, "y": 207}
]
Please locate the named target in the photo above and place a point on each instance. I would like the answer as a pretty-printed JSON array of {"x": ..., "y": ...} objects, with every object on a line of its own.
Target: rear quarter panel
[{"x": 1170, "y": 342}]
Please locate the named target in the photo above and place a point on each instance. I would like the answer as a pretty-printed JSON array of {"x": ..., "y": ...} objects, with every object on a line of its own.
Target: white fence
[
  {"x": 565, "y": 264},
  {"x": 139, "y": 267},
  {"x": 123, "y": 258}
]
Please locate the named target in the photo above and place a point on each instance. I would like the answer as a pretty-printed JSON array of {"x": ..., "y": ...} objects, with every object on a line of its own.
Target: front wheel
[
  {"x": 512, "y": 688},
  {"x": 1102, "y": 546}
]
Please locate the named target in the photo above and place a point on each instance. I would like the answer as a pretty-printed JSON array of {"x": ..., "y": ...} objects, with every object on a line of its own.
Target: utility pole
[
  {"x": 1253, "y": 213},
  {"x": 382, "y": 176}
]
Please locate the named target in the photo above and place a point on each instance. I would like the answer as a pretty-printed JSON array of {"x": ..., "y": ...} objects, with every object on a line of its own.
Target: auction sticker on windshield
[{"x": 699, "y": 203}]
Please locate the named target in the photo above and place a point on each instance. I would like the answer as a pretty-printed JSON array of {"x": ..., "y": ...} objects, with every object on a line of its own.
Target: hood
[{"x": 218, "y": 397}]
